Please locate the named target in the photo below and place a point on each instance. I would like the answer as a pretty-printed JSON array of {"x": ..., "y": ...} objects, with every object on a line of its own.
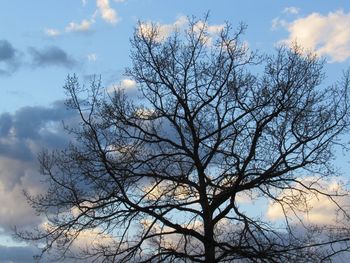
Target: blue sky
[
  {"x": 102, "y": 46},
  {"x": 41, "y": 42}
]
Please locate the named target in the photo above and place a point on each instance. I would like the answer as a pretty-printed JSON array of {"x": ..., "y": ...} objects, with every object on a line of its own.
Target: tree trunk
[{"x": 209, "y": 245}]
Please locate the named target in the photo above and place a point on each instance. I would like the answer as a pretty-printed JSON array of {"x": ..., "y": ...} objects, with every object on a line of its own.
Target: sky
[{"x": 42, "y": 41}]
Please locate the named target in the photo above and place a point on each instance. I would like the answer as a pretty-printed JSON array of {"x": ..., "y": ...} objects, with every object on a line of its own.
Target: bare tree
[{"x": 159, "y": 178}]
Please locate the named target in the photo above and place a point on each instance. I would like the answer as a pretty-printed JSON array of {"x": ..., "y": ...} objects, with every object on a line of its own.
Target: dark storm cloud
[
  {"x": 51, "y": 56},
  {"x": 9, "y": 58}
]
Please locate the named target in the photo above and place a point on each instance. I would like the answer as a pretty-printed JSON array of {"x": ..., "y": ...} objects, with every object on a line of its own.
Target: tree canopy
[{"x": 160, "y": 178}]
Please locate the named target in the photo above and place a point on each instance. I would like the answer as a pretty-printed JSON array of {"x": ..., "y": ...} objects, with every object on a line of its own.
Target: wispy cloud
[
  {"x": 51, "y": 56},
  {"x": 103, "y": 9},
  {"x": 164, "y": 30},
  {"x": 92, "y": 57},
  {"x": 278, "y": 22},
  {"x": 328, "y": 35},
  {"x": 83, "y": 26},
  {"x": 291, "y": 10},
  {"x": 51, "y": 32},
  {"x": 107, "y": 13}
]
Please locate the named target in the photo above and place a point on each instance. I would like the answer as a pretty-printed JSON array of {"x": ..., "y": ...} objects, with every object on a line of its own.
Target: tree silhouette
[{"x": 160, "y": 179}]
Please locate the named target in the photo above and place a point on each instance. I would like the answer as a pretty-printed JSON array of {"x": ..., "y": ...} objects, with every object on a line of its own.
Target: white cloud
[
  {"x": 107, "y": 13},
  {"x": 129, "y": 85},
  {"x": 52, "y": 32},
  {"x": 164, "y": 30},
  {"x": 246, "y": 197},
  {"x": 84, "y": 26},
  {"x": 165, "y": 189},
  {"x": 172, "y": 240},
  {"x": 312, "y": 207},
  {"x": 328, "y": 35},
  {"x": 92, "y": 238},
  {"x": 92, "y": 57},
  {"x": 83, "y": 242},
  {"x": 212, "y": 29},
  {"x": 278, "y": 23},
  {"x": 104, "y": 10},
  {"x": 291, "y": 10},
  {"x": 14, "y": 209}
]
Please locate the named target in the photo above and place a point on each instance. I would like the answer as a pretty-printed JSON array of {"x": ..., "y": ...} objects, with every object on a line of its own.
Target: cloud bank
[{"x": 23, "y": 135}]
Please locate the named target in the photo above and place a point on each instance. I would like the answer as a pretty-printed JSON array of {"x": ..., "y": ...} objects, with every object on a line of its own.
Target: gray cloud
[
  {"x": 5, "y": 124},
  {"x": 28, "y": 254},
  {"x": 9, "y": 58},
  {"x": 29, "y": 127},
  {"x": 51, "y": 56},
  {"x": 29, "y": 121},
  {"x": 23, "y": 135},
  {"x": 7, "y": 51},
  {"x": 20, "y": 254}
]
